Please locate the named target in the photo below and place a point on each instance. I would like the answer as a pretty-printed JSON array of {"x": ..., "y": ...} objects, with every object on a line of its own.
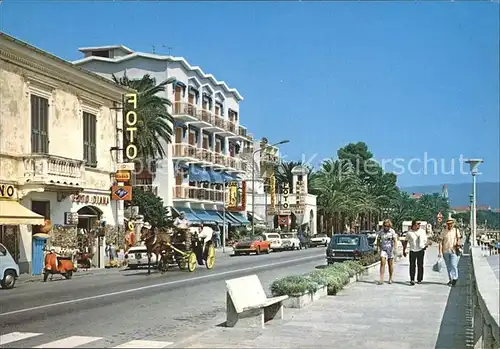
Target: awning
[
  {"x": 215, "y": 216},
  {"x": 198, "y": 174},
  {"x": 215, "y": 177},
  {"x": 13, "y": 213},
  {"x": 229, "y": 219},
  {"x": 240, "y": 218},
  {"x": 179, "y": 83},
  {"x": 188, "y": 214},
  {"x": 204, "y": 216},
  {"x": 229, "y": 178},
  {"x": 255, "y": 217}
]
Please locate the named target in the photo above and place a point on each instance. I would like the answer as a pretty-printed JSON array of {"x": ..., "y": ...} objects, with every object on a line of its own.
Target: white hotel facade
[{"x": 210, "y": 147}]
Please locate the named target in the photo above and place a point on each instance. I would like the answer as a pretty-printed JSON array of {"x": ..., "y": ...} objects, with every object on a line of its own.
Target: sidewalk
[{"x": 366, "y": 315}]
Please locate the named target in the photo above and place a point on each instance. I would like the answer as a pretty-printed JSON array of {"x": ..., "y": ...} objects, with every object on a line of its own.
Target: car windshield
[
  {"x": 250, "y": 238},
  {"x": 345, "y": 240},
  {"x": 320, "y": 235},
  {"x": 287, "y": 236}
]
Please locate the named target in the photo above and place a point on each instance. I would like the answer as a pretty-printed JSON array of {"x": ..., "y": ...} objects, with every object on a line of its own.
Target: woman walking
[
  {"x": 450, "y": 248},
  {"x": 387, "y": 241}
]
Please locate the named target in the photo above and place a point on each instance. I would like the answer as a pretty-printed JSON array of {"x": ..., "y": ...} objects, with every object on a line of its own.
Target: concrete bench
[{"x": 248, "y": 305}]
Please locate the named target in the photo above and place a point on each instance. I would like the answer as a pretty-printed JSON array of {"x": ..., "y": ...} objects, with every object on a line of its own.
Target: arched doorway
[{"x": 89, "y": 241}]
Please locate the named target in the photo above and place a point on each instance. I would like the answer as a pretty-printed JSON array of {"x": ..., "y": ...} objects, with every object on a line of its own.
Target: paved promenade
[{"x": 366, "y": 315}]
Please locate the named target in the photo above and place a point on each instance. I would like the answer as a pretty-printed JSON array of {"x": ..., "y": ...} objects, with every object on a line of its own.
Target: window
[
  {"x": 89, "y": 139},
  {"x": 39, "y": 124}
]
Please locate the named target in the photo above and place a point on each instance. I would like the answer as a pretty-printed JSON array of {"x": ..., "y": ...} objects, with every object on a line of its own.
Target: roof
[
  {"x": 61, "y": 60},
  {"x": 110, "y": 47},
  {"x": 159, "y": 58}
]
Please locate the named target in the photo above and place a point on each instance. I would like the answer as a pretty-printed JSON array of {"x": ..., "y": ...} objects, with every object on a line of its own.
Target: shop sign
[
  {"x": 8, "y": 191},
  {"x": 126, "y": 166},
  {"x": 70, "y": 218},
  {"x": 121, "y": 192},
  {"x": 286, "y": 192},
  {"x": 131, "y": 128},
  {"x": 90, "y": 199},
  {"x": 272, "y": 190},
  {"x": 122, "y": 176}
]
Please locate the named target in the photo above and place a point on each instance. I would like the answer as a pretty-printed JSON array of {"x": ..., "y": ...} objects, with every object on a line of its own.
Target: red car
[{"x": 252, "y": 244}]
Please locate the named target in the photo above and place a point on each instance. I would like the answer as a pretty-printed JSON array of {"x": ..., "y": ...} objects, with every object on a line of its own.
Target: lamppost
[
  {"x": 474, "y": 163},
  {"x": 253, "y": 178},
  {"x": 471, "y": 207}
]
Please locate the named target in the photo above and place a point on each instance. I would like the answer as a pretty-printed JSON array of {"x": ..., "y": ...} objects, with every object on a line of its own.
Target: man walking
[
  {"x": 450, "y": 248},
  {"x": 417, "y": 243}
]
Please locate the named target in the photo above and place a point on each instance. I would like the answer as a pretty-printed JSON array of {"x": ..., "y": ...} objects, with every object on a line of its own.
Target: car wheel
[
  {"x": 267, "y": 250},
  {"x": 257, "y": 251},
  {"x": 9, "y": 279}
]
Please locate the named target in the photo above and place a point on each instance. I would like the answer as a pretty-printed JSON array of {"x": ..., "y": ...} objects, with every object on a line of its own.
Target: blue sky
[{"x": 408, "y": 78}]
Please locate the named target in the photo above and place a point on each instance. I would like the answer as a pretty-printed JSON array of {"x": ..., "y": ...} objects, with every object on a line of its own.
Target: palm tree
[
  {"x": 154, "y": 122},
  {"x": 284, "y": 173}
]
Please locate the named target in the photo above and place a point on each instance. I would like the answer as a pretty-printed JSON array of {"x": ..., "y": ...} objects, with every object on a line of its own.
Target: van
[
  {"x": 274, "y": 239},
  {"x": 9, "y": 270}
]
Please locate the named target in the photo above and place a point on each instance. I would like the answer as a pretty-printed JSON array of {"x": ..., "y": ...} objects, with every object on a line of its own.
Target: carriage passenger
[{"x": 181, "y": 221}]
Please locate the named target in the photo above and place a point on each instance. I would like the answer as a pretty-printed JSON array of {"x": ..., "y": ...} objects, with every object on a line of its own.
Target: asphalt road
[{"x": 121, "y": 306}]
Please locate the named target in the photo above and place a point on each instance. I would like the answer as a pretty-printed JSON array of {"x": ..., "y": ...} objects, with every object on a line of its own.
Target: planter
[
  {"x": 370, "y": 267},
  {"x": 305, "y": 299}
]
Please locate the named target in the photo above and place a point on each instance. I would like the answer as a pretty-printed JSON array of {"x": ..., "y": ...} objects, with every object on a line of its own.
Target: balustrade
[
  {"x": 51, "y": 169},
  {"x": 182, "y": 192}
]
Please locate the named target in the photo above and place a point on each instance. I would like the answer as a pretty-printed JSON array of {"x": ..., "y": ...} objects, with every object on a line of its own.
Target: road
[{"x": 112, "y": 309}]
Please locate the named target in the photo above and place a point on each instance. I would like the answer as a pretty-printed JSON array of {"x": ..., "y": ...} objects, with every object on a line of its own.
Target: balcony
[
  {"x": 269, "y": 158},
  {"x": 184, "y": 111},
  {"x": 148, "y": 188},
  {"x": 189, "y": 193},
  {"x": 193, "y": 154},
  {"x": 185, "y": 151},
  {"x": 51, "y": 170}
]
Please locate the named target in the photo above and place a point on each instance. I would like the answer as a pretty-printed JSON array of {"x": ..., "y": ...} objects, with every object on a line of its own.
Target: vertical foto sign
[
  {"x": 131, "y": 128},
  {"x": 286, "y": 191}
]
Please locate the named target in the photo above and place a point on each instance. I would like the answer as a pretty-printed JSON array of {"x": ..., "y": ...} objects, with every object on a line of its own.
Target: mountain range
[{"x": 488, "y": 193}]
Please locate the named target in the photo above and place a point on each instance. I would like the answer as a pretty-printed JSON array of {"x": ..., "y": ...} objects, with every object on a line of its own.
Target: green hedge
[{"x": 334, "y": 276}]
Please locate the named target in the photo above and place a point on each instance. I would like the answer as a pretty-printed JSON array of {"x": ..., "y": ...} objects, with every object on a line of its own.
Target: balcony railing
[
  {"x": 219, "y": 122},
  {"x": 181, "y": 108},
  {"x": 51, "y": 169},
  {"x": 185, "y": 150},
  {"x": 148, "y": 187},
  {"x": 208, "y": 156},
  {"x": 204, "y": 155},
  {"x": 231, "y": 127},
  {"x": 242, "y": 131},
  {"x": 182, "y": 192},
  {"x": 205, "y": 115}
]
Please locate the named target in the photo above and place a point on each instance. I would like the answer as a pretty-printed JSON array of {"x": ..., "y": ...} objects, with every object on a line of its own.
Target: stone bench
[{"x": 248, "y": 305}]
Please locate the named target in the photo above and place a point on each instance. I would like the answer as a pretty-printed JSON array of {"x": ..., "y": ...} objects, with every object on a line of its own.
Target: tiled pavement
[{"x": 430, "y": 315}]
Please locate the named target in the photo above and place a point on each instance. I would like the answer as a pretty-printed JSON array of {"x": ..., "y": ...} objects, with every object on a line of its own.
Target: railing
[
  {"x": 231, "y": 126},
  {"x": 219, "y": 122},
  {"x": 182, "y": 192},
  {"x": 242, "y": 131},
  {"x": 185, "y": 150},
  {"x": 484, "y": 290},
  {"x": 205, "y": 115},
  {"x": 181, "y": 108},
  {"x": 205, "y": 155},
  {"x": 51, "y": 169},
  {"x": 148, "y": 187}
]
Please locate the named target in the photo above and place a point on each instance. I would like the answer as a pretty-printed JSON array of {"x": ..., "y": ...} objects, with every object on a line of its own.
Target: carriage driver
[{"x": 181, "y": 221}]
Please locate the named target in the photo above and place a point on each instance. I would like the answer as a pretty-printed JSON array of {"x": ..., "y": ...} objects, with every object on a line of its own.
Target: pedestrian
[
  {"x": 386, "y": 242},
  {"x": 417, "y": 242},
  {"x": 450, "y": 248},
  {"x": 217, "y": 236}
]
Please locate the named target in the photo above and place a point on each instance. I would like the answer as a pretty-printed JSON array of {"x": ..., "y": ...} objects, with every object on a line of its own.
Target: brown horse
[{"x": 155, "y": 243}]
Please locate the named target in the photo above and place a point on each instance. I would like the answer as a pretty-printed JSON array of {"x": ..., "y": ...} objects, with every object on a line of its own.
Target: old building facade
[{"x": 58, "y": 125}]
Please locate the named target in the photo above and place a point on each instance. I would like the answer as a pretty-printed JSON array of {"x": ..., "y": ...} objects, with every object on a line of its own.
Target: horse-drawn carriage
[{"x": 178, "y": 246}]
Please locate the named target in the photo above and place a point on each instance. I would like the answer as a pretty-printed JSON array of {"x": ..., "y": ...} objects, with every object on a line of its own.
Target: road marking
[
  {"x": 16, "y": 336},
  {"x": 142, "y": 288},
  {"x": 144, "y": 344},
  {"x": 69, "y": 342}
]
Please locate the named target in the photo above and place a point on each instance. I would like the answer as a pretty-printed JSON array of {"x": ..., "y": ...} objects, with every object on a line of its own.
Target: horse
[{"x": 155, "y": 243}]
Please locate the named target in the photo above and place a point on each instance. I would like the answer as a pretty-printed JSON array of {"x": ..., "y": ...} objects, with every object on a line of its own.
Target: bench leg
[
  {"x": 274, "y": 311},
  {"x": 249, "y": 318}
]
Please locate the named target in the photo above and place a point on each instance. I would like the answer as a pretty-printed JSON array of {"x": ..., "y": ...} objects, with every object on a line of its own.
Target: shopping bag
[{"x": 438, "y": 266}]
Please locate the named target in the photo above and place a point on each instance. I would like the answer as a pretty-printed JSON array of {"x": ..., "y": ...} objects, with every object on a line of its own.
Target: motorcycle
[{"x": 58, "y": 265}]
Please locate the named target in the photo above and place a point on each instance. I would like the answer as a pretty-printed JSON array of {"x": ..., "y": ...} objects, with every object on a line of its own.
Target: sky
[{"x": 417, "y": 81}]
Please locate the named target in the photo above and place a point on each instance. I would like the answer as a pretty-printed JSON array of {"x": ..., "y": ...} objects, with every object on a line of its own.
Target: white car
[
  {"x": 319, "y": 240},
  {"x": 290, "y": 241},
  {"x": 274, "y": 239},
  {"x": 137, "y": 256}
]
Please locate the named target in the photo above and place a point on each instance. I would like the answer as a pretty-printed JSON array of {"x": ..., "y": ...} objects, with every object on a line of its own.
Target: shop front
[{"x": 16, "y": 223}]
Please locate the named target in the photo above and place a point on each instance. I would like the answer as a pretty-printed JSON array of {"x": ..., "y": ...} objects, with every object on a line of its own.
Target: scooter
[{"x": 58, "y": 265}]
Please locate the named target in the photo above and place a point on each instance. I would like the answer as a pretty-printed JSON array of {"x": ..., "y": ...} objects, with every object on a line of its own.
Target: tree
[
  {"x": 154, "y": 122},
  {"x": 284, "y": 173},
  {"x": 151, "y": 207}
]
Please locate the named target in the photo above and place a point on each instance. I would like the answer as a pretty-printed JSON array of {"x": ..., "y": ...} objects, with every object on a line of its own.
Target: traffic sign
[{"x": 440, "y": 217}]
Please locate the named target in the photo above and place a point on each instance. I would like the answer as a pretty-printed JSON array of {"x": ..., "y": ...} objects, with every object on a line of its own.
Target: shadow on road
[{"x": 455, "y": 322}]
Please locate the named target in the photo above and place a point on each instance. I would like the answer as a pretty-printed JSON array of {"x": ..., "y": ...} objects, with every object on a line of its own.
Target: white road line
[
  {"x": 69, "y": 342},
  {"x": 209, "y": 276},
  {"x": 144, "y": 344},
  {"x": 16, "y": 336}
]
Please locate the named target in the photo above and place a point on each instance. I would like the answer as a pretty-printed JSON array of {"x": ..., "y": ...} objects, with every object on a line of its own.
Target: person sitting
[{"x": 181, "y": 221}]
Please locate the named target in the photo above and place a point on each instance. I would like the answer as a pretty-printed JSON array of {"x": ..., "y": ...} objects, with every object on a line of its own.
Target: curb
[{"x": 78, "y": 274}]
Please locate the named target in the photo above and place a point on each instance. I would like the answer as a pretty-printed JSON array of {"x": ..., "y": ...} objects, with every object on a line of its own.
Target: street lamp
[
  {"x": 474, "y": 163},
  {"x": 253, "y": 178},
  {"x": 471, "y": 208}
]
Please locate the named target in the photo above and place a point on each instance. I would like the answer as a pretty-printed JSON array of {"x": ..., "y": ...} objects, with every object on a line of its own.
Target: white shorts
[{"x": 387, "y": 254}]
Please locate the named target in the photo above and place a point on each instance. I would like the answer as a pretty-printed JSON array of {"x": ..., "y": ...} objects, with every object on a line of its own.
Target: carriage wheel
[
  {"x": 210, "y": 261},
  {"x": 191, "y": 261}
]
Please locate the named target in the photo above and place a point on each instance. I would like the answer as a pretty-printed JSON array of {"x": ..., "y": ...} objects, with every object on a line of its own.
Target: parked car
[
  {"x": 347, "y": 247},
  {"x": 274, "y": 239},
  {"x": 9, "y": 270},
  {"x": 137, "y": 256},
  {"x": 290, "y": 241},
  {"x": 319, "y": 240},
  {"x": 252, "y": 244}
]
